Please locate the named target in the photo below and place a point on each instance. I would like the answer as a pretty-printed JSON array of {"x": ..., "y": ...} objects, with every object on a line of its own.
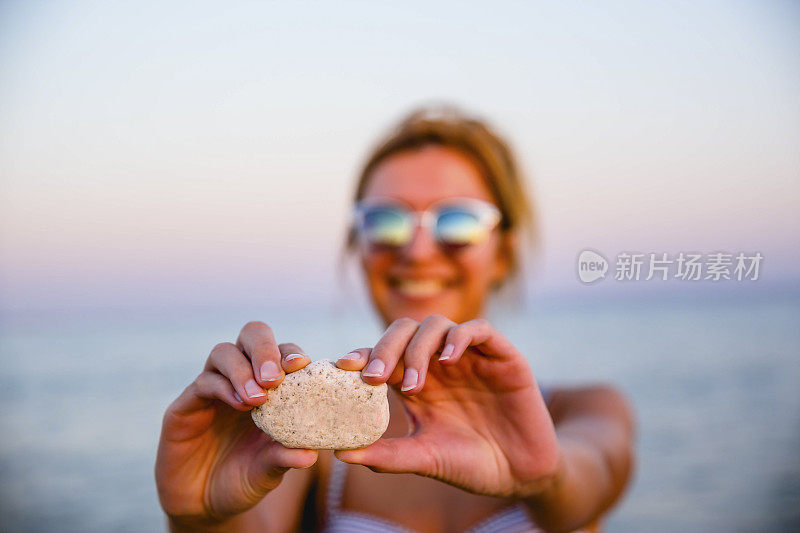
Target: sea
[{"x": 715, "y": 386}]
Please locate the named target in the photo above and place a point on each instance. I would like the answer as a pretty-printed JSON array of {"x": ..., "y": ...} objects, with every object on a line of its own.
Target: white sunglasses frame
[{"x": 489, "y": 215}]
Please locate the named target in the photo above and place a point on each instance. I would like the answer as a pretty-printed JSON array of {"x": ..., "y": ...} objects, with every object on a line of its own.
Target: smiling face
[{"x": 421, "y": 278}]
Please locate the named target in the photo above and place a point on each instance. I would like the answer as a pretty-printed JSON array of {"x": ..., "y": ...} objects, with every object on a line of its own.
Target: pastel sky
[{"x": 204, "y": 153}]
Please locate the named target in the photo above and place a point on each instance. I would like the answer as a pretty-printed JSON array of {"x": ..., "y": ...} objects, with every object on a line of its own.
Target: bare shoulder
[{"x": 596, "y": 398}]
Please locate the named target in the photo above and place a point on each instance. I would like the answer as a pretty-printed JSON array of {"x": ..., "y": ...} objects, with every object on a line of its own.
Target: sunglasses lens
[
  {"x": 387, "y": 226},
  {"x": 459, "y": 227}
]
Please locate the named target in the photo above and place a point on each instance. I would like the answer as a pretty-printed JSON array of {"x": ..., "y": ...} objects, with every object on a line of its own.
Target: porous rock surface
[{"x": 324, "y": 407}]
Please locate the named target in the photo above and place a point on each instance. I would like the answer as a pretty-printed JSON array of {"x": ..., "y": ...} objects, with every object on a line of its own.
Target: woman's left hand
[{"x": 478, "y": 420}]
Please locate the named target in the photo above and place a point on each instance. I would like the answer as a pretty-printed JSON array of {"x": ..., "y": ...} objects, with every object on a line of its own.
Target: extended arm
[{"x": 594, "y": 426}]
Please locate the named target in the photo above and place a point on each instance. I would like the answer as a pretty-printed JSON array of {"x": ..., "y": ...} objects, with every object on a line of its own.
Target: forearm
[
  {"x": 577, "y": 492},
  {"x": 252, "y": 520},
  {"x": 595, "y": 464},
  {"x": 179, "y": 526},
  {"x": 243, "y": 523}
]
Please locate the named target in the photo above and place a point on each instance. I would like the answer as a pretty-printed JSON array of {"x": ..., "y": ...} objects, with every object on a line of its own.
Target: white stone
[{"x": 324, "y": 407}]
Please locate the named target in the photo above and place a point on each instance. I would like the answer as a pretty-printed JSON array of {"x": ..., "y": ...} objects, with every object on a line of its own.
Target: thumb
[
  {"x": 266, "y": 470},
  {"x": 396, "y": 455}
]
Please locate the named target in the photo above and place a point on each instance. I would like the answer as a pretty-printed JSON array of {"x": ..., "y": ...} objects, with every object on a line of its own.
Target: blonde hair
[{"x": 448, "y": 126}]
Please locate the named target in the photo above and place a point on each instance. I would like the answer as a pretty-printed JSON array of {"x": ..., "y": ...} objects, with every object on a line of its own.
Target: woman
[{"x": 472, "y": 445}]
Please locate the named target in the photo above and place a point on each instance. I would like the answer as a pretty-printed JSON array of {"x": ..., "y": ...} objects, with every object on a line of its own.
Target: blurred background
[{"x": 169, "y": 171}]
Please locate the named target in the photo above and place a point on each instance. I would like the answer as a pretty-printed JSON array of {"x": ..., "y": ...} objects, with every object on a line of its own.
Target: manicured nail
[
  {"x": 253, "y": 390},
  {"x": 293, "y": 356},
  {"x": 410, "y": 379},
  {"x": 352, "y": 356},
  {"x": 238, "y": 399},
  {"x": 374, "y": 369},
  {"x": 270, "y": 372},
  {"x": 447, "y": 352}
]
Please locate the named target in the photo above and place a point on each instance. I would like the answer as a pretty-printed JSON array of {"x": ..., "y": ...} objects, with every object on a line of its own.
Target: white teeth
[{"x": 420, "y": 289}]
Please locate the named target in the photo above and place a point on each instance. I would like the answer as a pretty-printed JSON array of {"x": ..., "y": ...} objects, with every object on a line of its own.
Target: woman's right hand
[{"x": 213, "y": 462}]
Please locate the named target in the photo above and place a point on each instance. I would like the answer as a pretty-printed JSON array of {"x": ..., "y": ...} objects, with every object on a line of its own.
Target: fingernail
[
  {"x": 352, "y": 356},
  {"x": 270, "y": 372},
  {"x": 447, "y": 352},
  {"x": 410, "y": 379},
  {"x": 238, "y": 399},
  {"x": 374, "y": 369},
  {"x": 293, "y": 356},
  {"x": 253, "y": 390}
]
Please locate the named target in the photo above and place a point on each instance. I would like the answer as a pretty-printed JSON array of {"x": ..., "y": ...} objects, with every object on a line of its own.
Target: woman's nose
[{"x": 422, "y": 245}]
